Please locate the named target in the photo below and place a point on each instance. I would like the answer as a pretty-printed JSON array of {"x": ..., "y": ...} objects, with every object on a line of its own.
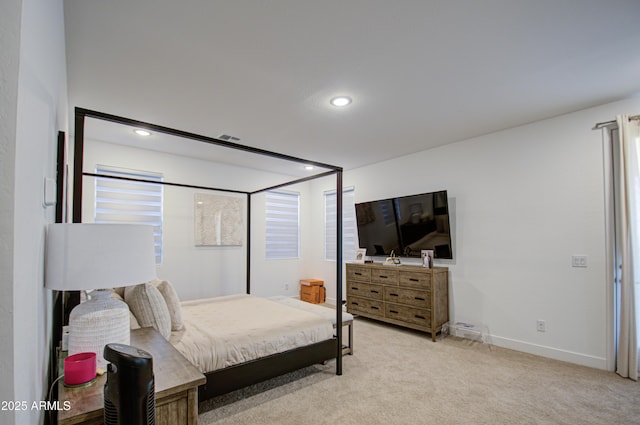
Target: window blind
[
  {"x": 349, "y": 230},
  {"x": 124, "y": 201},
  {"x": 282, "y": 225}
]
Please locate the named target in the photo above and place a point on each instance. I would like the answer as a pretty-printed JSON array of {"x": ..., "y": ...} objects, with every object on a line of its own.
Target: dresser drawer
[
  {"x": 406, "y": 295},
  {"x": 387, "y": 276},
  {"x": 418, "y": 316},
  {"x": 365, "y": 306},
  {"x": 367, "y": 290},
  {"x": 361, "y": 274},
  {"x": 412, "y": 297},
  {"x": 415, "y": 280}
]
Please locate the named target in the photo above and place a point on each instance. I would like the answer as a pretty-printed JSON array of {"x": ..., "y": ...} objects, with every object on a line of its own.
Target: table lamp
[{"x": 89, "y": 256}]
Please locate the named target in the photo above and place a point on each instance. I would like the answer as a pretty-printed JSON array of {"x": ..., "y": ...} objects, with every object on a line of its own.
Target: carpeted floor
[{"x": 398, "y": 376}]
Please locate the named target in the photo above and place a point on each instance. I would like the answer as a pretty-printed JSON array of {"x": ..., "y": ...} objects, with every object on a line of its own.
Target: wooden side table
[{"x": 176, "y": 384}]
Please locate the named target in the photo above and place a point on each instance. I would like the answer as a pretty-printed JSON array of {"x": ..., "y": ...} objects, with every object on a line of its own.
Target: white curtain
[{"x": 628, "y": 197}]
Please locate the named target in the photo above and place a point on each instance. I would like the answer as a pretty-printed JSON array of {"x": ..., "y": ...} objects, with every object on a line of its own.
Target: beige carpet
[{"x": 397, "y": 376}]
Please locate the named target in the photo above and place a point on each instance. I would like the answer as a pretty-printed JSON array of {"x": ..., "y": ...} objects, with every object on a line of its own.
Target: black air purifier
[{"x": 129, "y": 393}]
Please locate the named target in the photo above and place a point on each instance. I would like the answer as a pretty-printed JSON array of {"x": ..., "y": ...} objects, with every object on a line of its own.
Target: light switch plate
[{"x": 49, "y": 192}]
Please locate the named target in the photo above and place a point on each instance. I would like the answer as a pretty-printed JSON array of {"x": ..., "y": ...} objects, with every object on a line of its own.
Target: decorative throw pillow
[
  {"x": 133, "y": 322},
  {"x": 149, "y": 307},
  {"x": 116, "y": 296},
  {"x": 173, "y": 304}
]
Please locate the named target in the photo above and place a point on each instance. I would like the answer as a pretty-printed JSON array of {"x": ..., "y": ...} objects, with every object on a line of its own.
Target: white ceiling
[
  {"x": 281, "y": 170},
  {"x": 421, "y": 73}
]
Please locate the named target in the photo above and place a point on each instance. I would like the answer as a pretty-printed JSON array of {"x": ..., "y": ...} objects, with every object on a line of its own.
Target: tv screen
[{"x": 406, "y": 225}]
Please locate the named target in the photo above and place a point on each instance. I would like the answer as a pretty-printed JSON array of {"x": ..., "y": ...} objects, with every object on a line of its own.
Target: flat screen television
[{"x": 406, "y": 225}]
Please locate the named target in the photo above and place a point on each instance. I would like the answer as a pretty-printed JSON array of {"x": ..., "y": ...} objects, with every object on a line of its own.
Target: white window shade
[
  {"x": 282, "y": 225},
  {"x": 126, "y": 201},
  {"x": 349, "y": 229}
]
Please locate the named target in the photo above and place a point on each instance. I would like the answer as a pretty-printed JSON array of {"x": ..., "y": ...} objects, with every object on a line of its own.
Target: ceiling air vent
[{"x": 228, "y": 138}]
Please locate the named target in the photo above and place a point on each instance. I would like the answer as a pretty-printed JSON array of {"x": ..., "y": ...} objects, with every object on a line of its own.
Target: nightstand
[{"x": 176, "y": 384}]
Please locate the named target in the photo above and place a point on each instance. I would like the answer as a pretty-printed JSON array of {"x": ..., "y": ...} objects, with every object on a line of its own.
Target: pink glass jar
[{"x": 79, "y": 368}]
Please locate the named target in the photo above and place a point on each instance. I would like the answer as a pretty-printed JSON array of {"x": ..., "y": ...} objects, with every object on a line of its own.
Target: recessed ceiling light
[
  {"x": 308, "y": 167},
  {"x": 141, "y": 132},
  {"x": 341, "y": 101}
]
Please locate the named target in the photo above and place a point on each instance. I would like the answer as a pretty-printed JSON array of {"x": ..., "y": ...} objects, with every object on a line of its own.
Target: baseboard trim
[
  {"x": 550, "y": 352},
  {"x": 540, "y": 350}
]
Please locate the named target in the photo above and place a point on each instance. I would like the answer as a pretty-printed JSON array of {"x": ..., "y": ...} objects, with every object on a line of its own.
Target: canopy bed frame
[{"x": 234, "y": 377}]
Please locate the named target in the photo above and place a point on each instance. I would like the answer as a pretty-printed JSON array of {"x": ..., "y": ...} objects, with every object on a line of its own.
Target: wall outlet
[
  {"x": 541, "y": 326},
  {"x": 286, "y": 286},
  {"x": 578, "y": 261}
]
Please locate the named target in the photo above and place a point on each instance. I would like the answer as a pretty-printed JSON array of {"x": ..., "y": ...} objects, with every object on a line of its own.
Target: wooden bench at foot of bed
[{"x": 232, "y": 378}]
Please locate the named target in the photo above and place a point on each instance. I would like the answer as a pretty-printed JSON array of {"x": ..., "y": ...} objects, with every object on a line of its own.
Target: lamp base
[{"x": 95, "y": 323}]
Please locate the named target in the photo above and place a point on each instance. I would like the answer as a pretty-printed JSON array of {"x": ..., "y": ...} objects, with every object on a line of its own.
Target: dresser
[
  {"x": 410, "y": 296},
  {"x": 176, "y": 384}
]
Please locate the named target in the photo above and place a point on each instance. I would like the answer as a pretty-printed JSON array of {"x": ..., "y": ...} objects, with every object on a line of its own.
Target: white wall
[
  {"x": 319, "y": 267},
  {"x": 282, "y": 276},
  {"x": 523, "y": 201},
  {"x": 40, "y": 112},
  {"x": 200, "y": 272},
  {"x": 9, "y": 60}
]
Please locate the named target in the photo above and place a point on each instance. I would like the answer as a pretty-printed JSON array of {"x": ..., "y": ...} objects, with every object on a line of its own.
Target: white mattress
[{"x": 224, "y": 331}]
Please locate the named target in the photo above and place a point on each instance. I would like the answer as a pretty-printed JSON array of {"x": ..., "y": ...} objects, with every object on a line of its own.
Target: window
[
  {"x": 387, "y": 212},
  {"x": 349, "y": 235},
  {"x": 124, "y": 201},
  {"x": 283, "y": 225}
]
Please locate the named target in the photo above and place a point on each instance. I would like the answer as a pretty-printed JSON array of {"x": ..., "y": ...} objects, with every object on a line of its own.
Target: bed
[
  {"x": 238, "y": 340},
  {"x": 271, "y": 358},
  {"x": 229, "y": 330}
]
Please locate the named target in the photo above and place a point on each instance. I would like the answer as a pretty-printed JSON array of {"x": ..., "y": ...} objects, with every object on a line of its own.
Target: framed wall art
[{"x": 218, "y": 220}]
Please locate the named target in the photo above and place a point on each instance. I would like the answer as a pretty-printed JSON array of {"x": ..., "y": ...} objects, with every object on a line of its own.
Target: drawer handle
[
  {"x": 393, "y": 311},
  {"x": 354, "y": 303},
  {"x": 374, "y": 292},
  {"x": 358, "y": 274},
  {"x": 413, "y": 279},
  {"x": 354, "y": 288},
  {"x": 419, "y": 298},
  {"x": 394, "y": 295},
  {"x": 419, "y": 317},
  {"x": 383, "y": 277},
  {"x": 375, "y": 308}
]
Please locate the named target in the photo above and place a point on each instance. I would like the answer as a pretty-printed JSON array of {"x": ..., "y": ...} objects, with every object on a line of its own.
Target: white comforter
[{"x": 224, "y": 331}]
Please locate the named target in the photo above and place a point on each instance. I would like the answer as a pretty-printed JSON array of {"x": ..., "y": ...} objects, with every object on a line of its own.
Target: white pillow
[
  {"x": 133, "y": 322},
  {"x": 173, "y": 304},
  {"x": 149, "y": 307}
]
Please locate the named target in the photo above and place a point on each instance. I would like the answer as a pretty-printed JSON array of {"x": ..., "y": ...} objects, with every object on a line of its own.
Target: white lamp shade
[
  {"x": 86, "y": 256},
  {"x": 82, "y": 256}
]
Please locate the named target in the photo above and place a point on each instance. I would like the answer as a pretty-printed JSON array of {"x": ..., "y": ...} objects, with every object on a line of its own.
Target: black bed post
[
  {"x": 78, "y": 165},
  {"x": 339, "y": 270},
  {"x": 72, "y": 298},
  {"x": 248, "y": 243}
]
